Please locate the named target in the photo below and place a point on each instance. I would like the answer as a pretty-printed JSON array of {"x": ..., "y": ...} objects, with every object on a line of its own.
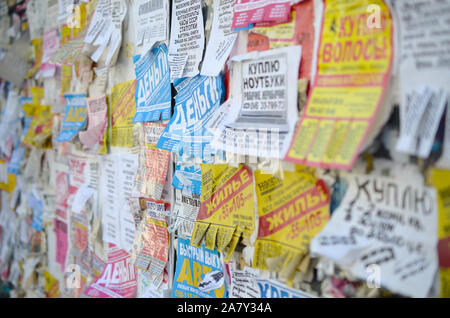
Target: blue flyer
[
  {"x": 75, "y": 117},
  {"x": 188, "y": 178},
  {"x": 193, "y": 273},
  {"x": 16, "y": 159},
  {"x": 197, "y": 99},
  {"x": 38, "y": 209},
  {"x": 153, "y": 90}
]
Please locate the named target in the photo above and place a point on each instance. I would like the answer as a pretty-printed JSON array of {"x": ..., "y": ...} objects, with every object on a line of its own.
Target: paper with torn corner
[
  {"x": 385, "y": 226},
  {"x": 151, "y": 245},
  {"x": 97, "y": 113},
  {"x": 221, "y": 39},
  {"x": 75, "y": 116},
  {"x": 423, "y": 115},
  {"x": 193, "y": 263},
  {"x": 187, "y": 37},
  {"x": 292, "y": 210},
  {"x": 354, "y": 66},
  {"x": 227, "y": 207},
  {"x": 105, "y": 29},
  {"x": 100, "y": 23},
  {"x": 151, "y": 18},
  {"x": 153, "y": 90},
  {"x": 196, "y": 101}
]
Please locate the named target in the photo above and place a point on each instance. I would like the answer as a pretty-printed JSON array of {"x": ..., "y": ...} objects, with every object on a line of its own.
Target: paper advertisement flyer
[
  {"x": 154, "y": 163},
  {"x": 246, "y": 284},
  {"x": 227, "y": 207},
  {"x": 440, "y": 180},
  {"x": 221, "y": 40},
  {"x": 153, "y": 92},
  {"x": 264, "y": 103},
  {"x": 195, "y": 103},
  {"x": 353, "y": 71},
  {"x": 118, "y": 279},
  {"x": 61, "y": 242},
  {"x": 247, "y": 12},
  {"x": 116, "y": 185},
  {"x": 187, "y": 38},
  {"x": 299, "y": 30},
  {"x": 151, "y": 22},
  {"x": 123, "y": 108},
  {"x": 75, "y": 116},
  {"x": 185, "y": 212},
  {"x": 193, "y": 263},
  {"x": 291, "y": 212},
  {"x": 188, "y": 179},
  {"x": 385, "y": 225},
  {"x": 152, "y": 240},
  {"x": 97, "y": 112}
]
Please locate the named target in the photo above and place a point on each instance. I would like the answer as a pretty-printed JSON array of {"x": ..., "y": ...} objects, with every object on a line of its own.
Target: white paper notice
[
  {"x": 384, "y": 226},
  {"x": 263, "y": 106},
  {"x": 187, "y": 36},
  {"x": 424, "y": 48},
  {"x": 151, "y": 18},
  {"x": 65, "y": 9},
  {"x": 116, "y": 185},
  {"x": 429, "y": 123},
  {"x": 83, "y": 194},
  {"x": 412, "y": 116},
  {"x": 221, "y": 40}
]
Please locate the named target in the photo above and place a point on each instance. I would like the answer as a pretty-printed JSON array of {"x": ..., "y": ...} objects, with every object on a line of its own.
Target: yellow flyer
[
  {"x": 227, "y": 207},
  {"x": 441, "y": 181},
  {"x": 291, "y": 212},
  {"x": 40, "y": 131},
  {"x": 11, "y": 185},
  {"x": 38, "y": 50},
  {"x": 123, "y": 108},
  {"x": 354, "y": 64},
  {"x": 51, "y": 286}
]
